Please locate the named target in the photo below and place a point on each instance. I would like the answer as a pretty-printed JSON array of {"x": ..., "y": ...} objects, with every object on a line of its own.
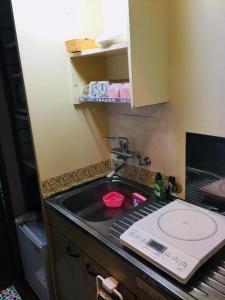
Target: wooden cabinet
[
  {"x": 68, "y": 264},
  {"x": 79, "y": 275},
  {"x": 92, "y": 269},
  {"x": 75, "y": 272},
  {"x": 148, "y": 51},
  {"x": 143, "y": 60}
]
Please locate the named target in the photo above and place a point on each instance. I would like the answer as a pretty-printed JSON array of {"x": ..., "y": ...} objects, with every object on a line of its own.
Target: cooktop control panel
[{"x": 177, "y": 263}]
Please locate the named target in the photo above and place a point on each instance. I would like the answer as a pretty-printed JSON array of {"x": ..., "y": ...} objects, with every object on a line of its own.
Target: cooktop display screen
[{"x": 156, "y": 246}]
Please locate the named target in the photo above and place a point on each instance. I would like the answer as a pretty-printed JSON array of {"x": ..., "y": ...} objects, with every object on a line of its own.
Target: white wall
[
  {"x": 115, "y": 17},
  {"x": 65, "y": 137},
  {"x": 197, "y": 88}
]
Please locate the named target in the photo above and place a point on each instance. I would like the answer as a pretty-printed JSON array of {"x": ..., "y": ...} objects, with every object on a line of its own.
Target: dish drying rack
[{"x": 83, "y": 99}]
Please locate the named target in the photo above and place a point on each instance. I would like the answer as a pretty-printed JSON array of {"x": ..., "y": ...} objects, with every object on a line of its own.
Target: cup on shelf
[
  {"x": 125, "y": 91},
  {"x": 91, "y": 89},
  {"x": 114, "y": 90},
  {"x": 103, "y": 88}
]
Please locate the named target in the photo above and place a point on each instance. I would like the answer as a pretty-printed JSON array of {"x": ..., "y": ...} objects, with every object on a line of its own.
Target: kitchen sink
[{"x": 85, "y": 202}]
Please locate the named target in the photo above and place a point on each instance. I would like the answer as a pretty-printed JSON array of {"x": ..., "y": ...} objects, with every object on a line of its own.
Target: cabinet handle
[
  {"x": 68, "y": 251},
  {"x": 89, "y": 271}
]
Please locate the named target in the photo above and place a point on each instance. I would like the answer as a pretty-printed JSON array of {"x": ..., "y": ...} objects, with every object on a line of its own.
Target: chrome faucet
[
  {"x": 116, "y": 168},
  {"x": 123, "y": 152}
]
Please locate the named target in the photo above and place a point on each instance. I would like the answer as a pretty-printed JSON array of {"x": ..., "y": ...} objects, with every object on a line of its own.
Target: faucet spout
[{"x": 116, "y": 169}]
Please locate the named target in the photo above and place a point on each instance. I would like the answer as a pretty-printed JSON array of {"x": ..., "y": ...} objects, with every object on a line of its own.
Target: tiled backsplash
[
  {"x": 141, "y": 175},
  {"x": 63, "y": 182}
]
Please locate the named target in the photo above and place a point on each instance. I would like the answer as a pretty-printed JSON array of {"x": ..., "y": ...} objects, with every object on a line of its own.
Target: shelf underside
[{"x": 112, "y": 50}]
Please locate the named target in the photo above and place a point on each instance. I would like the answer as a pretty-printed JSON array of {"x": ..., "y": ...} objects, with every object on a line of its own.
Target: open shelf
[
  {"x": 119, "y": 48},
  {"x": 84, "y": 99},
  {"x": 108, "y": 64}
]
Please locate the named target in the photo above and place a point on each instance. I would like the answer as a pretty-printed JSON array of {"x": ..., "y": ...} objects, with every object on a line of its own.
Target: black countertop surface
[{"x": 208, "y": 282}]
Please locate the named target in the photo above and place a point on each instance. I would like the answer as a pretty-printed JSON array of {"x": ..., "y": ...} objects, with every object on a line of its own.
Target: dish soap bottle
[{"x": 159, "y": 187}]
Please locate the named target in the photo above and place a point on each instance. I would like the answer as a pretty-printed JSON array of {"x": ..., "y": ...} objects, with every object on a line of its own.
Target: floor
[{"x": 21, "y": 286}]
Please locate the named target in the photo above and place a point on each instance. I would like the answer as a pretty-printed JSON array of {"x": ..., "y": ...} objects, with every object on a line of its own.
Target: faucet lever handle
[{"x": 123, "y": 142}]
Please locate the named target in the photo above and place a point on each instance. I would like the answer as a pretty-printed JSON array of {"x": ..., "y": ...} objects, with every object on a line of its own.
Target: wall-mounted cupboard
[{"x": 142, "y": 59}]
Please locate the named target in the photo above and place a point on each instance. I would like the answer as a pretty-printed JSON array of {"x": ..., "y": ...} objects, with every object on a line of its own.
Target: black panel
[
  {"x": 9, "y": 250},
  {"x": 205, "y": 169},
  {"x": 16, "y": 105},
  {"x": 206, "y": 152}
]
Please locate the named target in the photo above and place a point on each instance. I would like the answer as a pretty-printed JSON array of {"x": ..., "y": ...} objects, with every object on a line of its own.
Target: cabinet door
[
  {"x": 92, "y": 269},
  {"x": 68, "y": 261},
  {"x": 149, "y": 51}
]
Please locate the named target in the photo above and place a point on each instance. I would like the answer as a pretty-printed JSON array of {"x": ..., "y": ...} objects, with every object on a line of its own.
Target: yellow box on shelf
[{"x": 77, "y": 45}]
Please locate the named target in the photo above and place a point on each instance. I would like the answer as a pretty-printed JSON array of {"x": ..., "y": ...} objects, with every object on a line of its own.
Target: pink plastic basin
[{"x": 113, "y": 199}]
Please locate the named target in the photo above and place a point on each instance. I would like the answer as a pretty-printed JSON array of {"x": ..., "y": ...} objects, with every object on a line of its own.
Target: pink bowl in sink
[{"x": 113, "y": 199}]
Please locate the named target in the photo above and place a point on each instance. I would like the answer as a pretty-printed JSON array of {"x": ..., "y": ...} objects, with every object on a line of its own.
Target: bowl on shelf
[{"x": 107, "y": 41}]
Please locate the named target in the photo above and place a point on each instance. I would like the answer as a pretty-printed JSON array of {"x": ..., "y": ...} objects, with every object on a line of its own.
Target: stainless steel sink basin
[{"x": 86, "y": 202}]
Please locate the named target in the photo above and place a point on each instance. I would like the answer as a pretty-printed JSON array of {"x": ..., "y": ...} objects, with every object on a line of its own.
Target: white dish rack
[{"x": 83, "y": 99}]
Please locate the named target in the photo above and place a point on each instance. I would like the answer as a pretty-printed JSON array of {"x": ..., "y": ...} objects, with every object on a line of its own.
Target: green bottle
[{"x": 159, "y": 187}]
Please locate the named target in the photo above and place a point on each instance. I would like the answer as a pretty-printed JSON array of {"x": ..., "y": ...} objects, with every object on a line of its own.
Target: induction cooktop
[{"x": 178, "y": 238}]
